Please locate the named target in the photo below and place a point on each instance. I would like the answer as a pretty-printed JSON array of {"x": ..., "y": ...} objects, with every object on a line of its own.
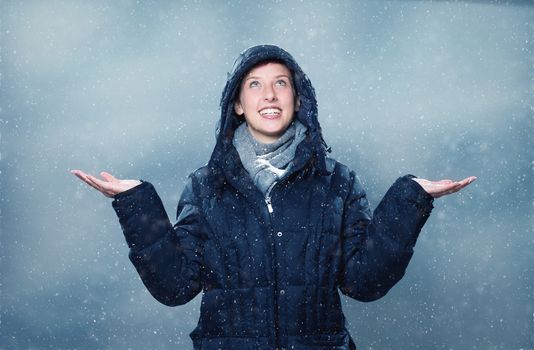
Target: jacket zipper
[
  {"x": 268, "y": 199},
  {"x": 269, "y": 206},
  {"x": 274, "y": 259}
]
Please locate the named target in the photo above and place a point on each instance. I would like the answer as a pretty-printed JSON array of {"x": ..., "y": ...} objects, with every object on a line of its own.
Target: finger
[
  {"x": 463, "y": 183},
  {"x": 77, "y": 172},
  {"x": 456, "y": 188},
  {"x": 467, "y": 181},
  {"x": 101, "y": 186},
  {"x": 81, "y": 175},
  {"x": 470, "y": 179},
  {"x": 108, "y": 188},
  {"x": 89, "y": 182},
  {"x": 445, "y": 189},
  {"x": 95, "y": 182},
  {"x": 108, "y": 177},
  {"x": 105, "y": 185}
]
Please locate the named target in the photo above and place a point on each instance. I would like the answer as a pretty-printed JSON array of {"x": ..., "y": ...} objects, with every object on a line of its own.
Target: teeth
[{"x": 270, "y": 111}]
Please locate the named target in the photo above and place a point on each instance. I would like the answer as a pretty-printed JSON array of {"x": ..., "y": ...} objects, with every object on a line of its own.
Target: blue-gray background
[{"x": 437, "y": 89}]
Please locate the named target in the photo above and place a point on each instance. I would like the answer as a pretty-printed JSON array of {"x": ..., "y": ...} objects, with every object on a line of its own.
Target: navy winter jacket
[{"x": 270, "y": 268}]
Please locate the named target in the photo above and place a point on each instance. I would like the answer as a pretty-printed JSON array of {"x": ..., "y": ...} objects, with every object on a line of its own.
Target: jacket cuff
[
  {"x": 132, "y": 190},
  {"x": 141, "y": 213},
  {"x": 416, "y": 194}
]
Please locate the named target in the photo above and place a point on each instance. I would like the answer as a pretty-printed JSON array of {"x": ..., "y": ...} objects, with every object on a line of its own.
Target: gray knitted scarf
[{"x": 268, "y": 162}]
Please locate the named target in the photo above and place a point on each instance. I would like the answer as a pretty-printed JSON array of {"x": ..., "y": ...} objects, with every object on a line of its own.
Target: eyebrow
[{"x": 278, "y": 76}]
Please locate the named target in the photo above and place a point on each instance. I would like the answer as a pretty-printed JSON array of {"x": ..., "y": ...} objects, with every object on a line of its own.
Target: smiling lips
[{"x": 270, "y": 112}]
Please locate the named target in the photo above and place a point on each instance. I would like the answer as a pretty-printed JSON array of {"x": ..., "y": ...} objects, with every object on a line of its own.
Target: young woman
[{"x": 271, "y": 228}]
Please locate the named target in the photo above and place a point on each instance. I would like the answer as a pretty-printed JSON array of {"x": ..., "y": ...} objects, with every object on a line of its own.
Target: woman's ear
[
  {"x": 297, "y": 104},
  {"x": 238, "y": 109}
]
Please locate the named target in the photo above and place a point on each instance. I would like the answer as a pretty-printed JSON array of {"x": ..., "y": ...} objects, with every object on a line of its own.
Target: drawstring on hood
[{"x": 307, "y": 113}]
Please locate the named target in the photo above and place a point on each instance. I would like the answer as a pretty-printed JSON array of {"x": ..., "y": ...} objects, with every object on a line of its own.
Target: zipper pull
[{"x": 269, "y": 206}]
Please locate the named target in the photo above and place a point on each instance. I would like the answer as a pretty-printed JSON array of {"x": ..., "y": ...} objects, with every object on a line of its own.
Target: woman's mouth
[{"x": 270, "y": 113}]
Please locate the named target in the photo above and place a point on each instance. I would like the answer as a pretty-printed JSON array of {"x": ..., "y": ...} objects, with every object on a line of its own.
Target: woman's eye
[
  {"x": 281, "y": 83},
  {"x": 254, "y": 83}
]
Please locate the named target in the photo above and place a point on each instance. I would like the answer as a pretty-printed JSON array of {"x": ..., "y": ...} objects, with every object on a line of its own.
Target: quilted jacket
[{"x": 270, "y": 267}]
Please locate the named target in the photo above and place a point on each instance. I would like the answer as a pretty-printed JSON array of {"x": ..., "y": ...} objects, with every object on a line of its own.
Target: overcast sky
[{"x": 432, "y": 88}]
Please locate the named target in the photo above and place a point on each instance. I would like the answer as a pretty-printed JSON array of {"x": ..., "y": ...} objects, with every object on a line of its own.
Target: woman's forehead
[{"x": 266, "y": 67}]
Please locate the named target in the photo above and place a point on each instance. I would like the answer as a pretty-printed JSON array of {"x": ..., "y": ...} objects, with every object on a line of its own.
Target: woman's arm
[
  {"x": 168, "y": 258},
  {"x": 378, "y": 247}
]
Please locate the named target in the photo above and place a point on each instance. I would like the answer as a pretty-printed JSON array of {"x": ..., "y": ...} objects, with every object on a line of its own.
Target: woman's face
[{"x": 267, "y": 101}]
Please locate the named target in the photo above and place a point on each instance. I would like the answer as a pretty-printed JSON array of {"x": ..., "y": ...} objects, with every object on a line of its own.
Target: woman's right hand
[{"x": 110, "y": 186}]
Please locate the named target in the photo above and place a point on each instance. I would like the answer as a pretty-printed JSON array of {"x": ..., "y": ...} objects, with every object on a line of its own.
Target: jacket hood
[{"x": 307, "y": 113}]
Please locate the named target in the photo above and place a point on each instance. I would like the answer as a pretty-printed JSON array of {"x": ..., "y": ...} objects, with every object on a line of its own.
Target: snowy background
[{"x": 436, "y": 89}]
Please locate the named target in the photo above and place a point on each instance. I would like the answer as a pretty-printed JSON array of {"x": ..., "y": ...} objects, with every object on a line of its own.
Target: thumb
[{"x": 108, "y": 177}]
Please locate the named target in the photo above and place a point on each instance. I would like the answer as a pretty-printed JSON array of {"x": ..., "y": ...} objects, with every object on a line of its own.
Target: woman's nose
[{"x": 269, "y": 94}]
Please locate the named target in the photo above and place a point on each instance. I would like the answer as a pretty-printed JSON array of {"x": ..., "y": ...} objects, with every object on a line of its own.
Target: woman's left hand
[{"x": 443, "y": 187}]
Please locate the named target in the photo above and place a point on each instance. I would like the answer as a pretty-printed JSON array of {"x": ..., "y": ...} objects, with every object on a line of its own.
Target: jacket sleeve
[
  {"x": 168, "y": 258},
  {"x": 377, "y": 248}
]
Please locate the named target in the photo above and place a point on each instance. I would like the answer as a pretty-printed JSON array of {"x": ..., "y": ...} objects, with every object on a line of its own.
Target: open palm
[
  {"x": 443, "y": 187},
  {"x": 109, "y": 186}
]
